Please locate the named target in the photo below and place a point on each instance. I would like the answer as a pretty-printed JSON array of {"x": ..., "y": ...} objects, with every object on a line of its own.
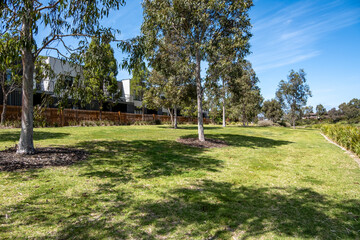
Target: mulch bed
[
  {"x": 44, "y": 157},
  {"x": 209, "y": 143}
]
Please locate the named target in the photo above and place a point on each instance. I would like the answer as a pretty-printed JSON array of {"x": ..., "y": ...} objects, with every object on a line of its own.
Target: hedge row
[{"x": 346, "y": 136}]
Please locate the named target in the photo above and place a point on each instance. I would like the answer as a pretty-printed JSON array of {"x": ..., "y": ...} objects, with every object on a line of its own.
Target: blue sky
[{"x": 322, "y": 37}]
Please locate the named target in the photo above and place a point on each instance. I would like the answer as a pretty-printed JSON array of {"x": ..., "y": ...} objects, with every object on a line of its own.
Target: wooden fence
[{"x": 66, "y": 117}]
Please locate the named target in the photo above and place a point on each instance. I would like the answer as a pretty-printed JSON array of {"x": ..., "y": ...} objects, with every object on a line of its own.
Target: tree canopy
[
  {"x": 272, "y": 110},
  {"x": 201, "y": 25},
  {"x": 60, "y": 18},
  {"x": 293, "y": 94}
]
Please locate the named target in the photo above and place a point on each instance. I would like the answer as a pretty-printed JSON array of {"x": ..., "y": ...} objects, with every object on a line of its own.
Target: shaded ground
[
  {"x": 209, "y": 143},
  {"x": 139, "y": 183},
  {"x": 44, "y": 157}
]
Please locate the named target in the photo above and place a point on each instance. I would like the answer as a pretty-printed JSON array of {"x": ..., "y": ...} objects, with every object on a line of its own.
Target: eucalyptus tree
[
  {"x": 245, "y": 96},
  {"x": 293, "y": 94},
  {"x": 213, "y": 101},
  {"x": 351, "y": 110},
  {"x": 139, "y": 85},
  {"x": 320, "y": 110},
  {"x": 10, "y": 69},
  {"x": 307, "y": 110},
  {"x": 162, "y": 94},
  {"x": 172, "y": 65},
  {"x": 58, "y": 18},
  {"x": 228, "y": 50},
  {"x": 201, "y": 25},
  {"x": 100, "y": 70},
  {"x": 272, "y": 110}
]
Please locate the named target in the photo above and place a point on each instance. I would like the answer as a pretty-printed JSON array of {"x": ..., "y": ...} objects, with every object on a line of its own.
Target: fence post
[{"x": 119, "y": 113}]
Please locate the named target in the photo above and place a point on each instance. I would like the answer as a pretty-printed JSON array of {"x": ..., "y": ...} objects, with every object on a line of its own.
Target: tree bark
[
  {"x": 175, "y": 117},
  {"x": 201, "y": 135},
  {"x": 26, "y": 143},
  {"x": 143, "y": 113},
  {"x": 244, "y": 115},
  {"x": 3, "y": 114},
  {"x": 171, "y": 117},
  {"x": 100, "y": 108},
  {"x": 294, "y": 123},
  {"x": 224, "y": 96}
]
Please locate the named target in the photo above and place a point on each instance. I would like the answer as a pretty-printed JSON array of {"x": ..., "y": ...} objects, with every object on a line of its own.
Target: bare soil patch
[
  {"x": 209, "y": 143},
  {"x": 44, "y": 157}
]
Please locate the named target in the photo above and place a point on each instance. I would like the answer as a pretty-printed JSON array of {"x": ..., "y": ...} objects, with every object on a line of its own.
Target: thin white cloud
[{"x": 289, "y": 34}]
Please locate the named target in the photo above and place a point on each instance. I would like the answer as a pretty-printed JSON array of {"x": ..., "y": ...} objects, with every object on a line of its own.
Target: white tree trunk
[
  {"x": 3, "y": 114},
  {"x": 224, "y": 96},
  {"x": 175, "y": 117},
  {"x": 199, "y": 98}
]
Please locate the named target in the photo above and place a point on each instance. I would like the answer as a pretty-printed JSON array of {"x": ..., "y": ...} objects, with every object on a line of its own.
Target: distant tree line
[{"x": 290, "y": 105}]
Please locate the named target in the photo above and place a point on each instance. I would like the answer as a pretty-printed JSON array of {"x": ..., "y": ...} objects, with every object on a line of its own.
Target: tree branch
[
  {"x": 57, "y": 50},
  {"x": 58, "y": 37},
  {"x": 47, "y": 7}
]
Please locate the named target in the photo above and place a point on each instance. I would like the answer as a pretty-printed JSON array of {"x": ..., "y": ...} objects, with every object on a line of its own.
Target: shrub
[
  {"x": 12, "y": 124},
  {"x": 345, "y": 135},
  {"x": 143, "y": 123},
  {"x": 284, "y": 123},
  {"x": 265, "y": 123},
  {"x": 39, "y": 117},
  {"x": 157, "y": 122}
]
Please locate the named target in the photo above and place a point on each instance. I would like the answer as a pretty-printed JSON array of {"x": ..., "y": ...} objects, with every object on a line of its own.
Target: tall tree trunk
[
  {"x": 244, "y": 115},
  {"x": 293, "y": 122},
  {"x": 101, "y": 107},
  {"x": 26, "y": 143},
  {"x": 171, "y": 117},
  {"x": 143, "y": 113},
  {"x": 199, "y": 98},
  {"x": 175, "y": 117},
  {"x": 224, "y": 96},
  {"x": 3, "y": 114}
]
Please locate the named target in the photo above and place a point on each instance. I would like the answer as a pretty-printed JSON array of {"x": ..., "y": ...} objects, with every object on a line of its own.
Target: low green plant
[
  {"x": 346, "y": 135},
  {"x": 157, "y": 122},
  {"x": 12, "y": 124},
  {"x": 39, "y": 116}
]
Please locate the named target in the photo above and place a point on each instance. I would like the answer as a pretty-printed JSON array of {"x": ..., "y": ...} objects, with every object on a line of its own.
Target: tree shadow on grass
[
  {"x": 85, "y": 215},
  {"x": 125, "y": 160},
  {"x": 244, "y": 141},
  {"x": 190, "y": 127},
  {"x": 245, "y": 212},
  {"x": 205, "y": 210},
  {"x": 38, "y": 135}
]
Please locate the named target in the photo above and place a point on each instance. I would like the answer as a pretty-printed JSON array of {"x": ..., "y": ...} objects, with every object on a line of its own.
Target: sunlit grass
[{"x": 139, "y": 183}]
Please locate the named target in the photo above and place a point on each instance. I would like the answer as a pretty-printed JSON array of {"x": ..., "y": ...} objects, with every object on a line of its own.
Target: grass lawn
[{"x": 139, "y": 183}]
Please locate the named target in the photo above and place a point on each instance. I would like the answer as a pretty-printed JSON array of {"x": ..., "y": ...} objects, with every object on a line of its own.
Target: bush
[
  {"x": 89, "y": 123},
  {"x": 12, "y": 124},
  {"x": 39, "y": 117},
  {"x": 157, "y": 122},
  {"x": 345, "y": 135},
  {"x": 266, "y": 123},
  {"x": 284, "y": 123},
  {"x": 143, "y": 123}
]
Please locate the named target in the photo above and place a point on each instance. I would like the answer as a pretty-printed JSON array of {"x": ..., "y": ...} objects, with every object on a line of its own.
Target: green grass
[{"x": 139, "y": 183}]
